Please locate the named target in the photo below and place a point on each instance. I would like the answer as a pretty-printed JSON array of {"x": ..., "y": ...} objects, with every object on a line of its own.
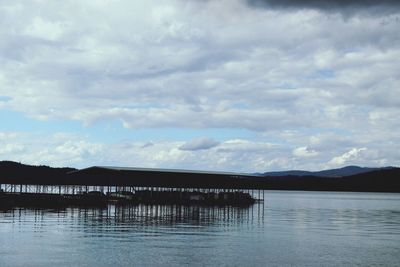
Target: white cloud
[
  {"x": 351, "y": 155},
  {"x": 8, "y": 144},
  {"x": 242, "y": 155},
  {"x": 60, "y": 149},
  {"x": 151, "y": 65},
  {"x": 304, "y": 152}
]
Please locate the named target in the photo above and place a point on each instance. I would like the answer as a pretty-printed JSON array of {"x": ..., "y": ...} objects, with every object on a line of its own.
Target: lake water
[{"x": 289, "y": 229}]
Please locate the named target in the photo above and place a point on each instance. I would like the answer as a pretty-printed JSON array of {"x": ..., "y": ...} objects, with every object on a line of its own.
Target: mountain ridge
[
  {"x": 386, "y": 179},
  {"x": 337, "y": 172}
]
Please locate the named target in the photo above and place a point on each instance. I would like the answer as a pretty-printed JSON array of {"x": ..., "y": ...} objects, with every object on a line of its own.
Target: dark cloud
[
  {"x": 148, "y": 144},
  {"x": 347, "y": 7},
  {"x": 199, "y": 144}
]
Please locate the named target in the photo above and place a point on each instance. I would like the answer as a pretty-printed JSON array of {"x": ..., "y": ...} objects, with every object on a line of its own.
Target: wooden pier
[{"x": 99, "y": 185}]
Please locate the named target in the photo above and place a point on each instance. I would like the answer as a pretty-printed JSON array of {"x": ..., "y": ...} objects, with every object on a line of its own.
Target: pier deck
[{"x": 132, "y": 185}]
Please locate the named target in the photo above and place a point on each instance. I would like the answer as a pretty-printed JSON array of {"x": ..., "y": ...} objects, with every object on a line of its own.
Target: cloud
[
  {"x": 61, "y": 149},
  {"x": 298, "y": 77},
  {"x": 194, "y": 69},
  {"x": 304, "y": 152},
  {"x": 241, "y": 155},
  {"x": 346, "y": 157},
  {"x": 148, "y": 144},
  {"x": 10, "y": 145},
  {"x": 199, "y": 144},
  {"x": 343, "y": 6}
]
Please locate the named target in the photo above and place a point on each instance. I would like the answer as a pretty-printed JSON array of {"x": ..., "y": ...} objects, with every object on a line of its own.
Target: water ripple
[{"x": 291, "y": 228}]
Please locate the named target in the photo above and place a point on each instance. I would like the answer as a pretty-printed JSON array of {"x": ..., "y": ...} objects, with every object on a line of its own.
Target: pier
[{"x": 100, "y": 185}]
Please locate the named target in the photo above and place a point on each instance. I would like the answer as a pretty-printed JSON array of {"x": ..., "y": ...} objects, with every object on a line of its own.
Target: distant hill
[
  {"x": 380, "y": 180},
  {"x": 11, "y": 171},
  {"x": 340, "y": 172},
  {"x": 384, "y": 180},
  {"x": 351, "y": 178}
]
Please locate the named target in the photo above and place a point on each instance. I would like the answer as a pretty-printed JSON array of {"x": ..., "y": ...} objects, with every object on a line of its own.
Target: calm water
[{"x": 290, "y": 229}]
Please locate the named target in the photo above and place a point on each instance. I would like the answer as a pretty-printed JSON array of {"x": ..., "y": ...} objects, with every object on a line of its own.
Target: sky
[{"x": 223, "y": 85}]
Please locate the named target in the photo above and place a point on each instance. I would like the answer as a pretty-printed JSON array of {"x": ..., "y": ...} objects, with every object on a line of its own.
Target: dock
[{"x": 100, "y": 185}]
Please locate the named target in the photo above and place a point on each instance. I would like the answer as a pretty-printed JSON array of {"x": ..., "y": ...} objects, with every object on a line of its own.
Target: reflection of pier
[
  {"x": 97, "y": 185},
  {"x": 188, "y": 214},
  {"x": 147, "y": 215}
]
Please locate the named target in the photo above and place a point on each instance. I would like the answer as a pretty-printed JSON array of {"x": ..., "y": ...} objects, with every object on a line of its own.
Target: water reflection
[
  {"x": 112, "y": 216},
  {"x": 290, "y": 228}
]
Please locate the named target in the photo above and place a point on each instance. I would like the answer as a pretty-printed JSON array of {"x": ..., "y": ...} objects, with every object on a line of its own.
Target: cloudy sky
[{"x": 227, "y": 85}]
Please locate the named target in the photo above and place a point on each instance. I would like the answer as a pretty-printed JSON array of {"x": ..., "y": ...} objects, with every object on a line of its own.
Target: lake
[{"x": 290, "y": 228}]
